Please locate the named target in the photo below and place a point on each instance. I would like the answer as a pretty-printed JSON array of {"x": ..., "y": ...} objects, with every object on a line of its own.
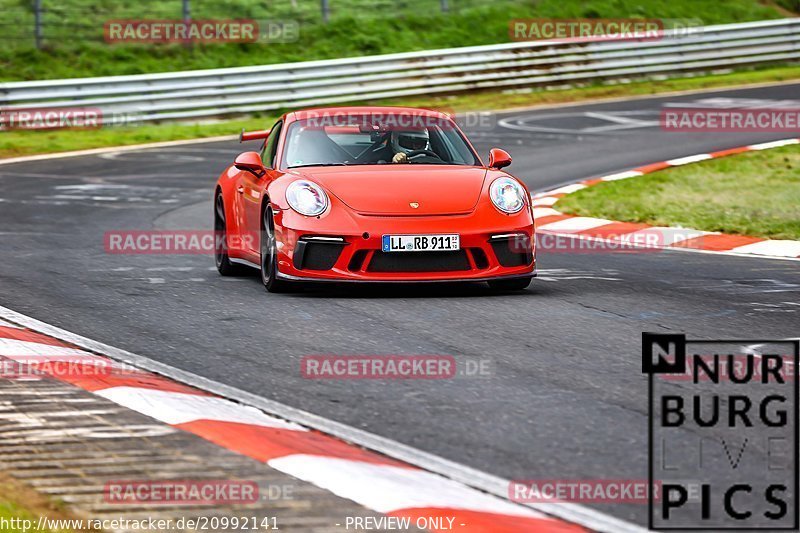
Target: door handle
[{"x": 240, "y": 189}]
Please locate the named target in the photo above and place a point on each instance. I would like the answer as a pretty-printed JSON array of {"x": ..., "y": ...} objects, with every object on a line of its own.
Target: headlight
[
  {"x": 307, "y": 198},
  {"x": 507, "y": 195}
]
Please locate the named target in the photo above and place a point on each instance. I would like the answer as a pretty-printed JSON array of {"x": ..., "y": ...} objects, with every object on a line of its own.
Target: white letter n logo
[
  {"x": 664, "y": 357},
  {"x": 663, "y": 354}
]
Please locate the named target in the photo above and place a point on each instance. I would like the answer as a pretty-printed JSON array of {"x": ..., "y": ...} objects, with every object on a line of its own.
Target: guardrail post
[
  {"x": 187, "y": 17},
  {"x": 445, "y": 7},
  {"x": 37, "y": 16},
  {"x": 326, "y": 11}
]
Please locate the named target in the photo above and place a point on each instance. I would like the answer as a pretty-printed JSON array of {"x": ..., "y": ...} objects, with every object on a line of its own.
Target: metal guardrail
[{"x": 220, "y": 92}]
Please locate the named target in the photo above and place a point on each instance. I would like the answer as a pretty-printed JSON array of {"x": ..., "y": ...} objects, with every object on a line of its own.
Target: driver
[{"x": 403, "y": 143}]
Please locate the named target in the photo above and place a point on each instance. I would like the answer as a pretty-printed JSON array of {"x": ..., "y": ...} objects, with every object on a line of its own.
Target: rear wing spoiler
[{"x": 253, "y": 135}]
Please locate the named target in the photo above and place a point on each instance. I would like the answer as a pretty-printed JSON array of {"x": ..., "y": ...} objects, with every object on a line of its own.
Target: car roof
[{"x": 362, "y": 110}]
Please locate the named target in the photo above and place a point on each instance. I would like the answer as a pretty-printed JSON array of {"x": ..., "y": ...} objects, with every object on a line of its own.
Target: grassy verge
[
  {"x": 19, "y": 503},
  {"x": 74, "y": 46},
  {"x": 19, "y": 143},
  {"x": 755, "y": 193}
]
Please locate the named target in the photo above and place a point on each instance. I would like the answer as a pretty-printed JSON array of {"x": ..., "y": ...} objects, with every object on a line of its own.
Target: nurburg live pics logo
[{"x": 722, "y": 444}]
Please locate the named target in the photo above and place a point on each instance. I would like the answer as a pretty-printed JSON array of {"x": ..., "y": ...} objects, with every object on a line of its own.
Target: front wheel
[
  {"x": 223, "y": 262},
  {"x": 514, "y": 284},
  {"x": 269, "y": 256}
]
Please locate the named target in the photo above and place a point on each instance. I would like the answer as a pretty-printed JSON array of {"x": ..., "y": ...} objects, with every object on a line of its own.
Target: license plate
[{"x": 420, "y": 243}]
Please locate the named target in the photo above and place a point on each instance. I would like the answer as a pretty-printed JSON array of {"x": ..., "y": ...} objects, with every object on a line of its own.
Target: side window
[{"x": 271, "y": 146}]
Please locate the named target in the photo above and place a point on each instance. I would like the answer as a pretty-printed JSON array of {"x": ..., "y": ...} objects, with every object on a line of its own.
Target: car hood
[{"x": 396, "y": 189}]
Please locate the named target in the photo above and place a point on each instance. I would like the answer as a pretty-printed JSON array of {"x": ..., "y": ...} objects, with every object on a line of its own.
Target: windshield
[{"x": 366, "y": 140}]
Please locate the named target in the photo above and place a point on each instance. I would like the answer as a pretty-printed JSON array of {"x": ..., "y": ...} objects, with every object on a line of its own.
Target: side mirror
[
  {"x": 251, "y": 162},
  {"x": 498, "y": 158}
]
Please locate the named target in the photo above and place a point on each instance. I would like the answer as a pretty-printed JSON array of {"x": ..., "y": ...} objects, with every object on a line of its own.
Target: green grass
[
  {"x": 9, "y": 512},
  {"x": 74, "y": 47},
  {"x": 20, "y": 143},
  {"x": 18, "y": 502},
  {"x": 755, "y": 193}
]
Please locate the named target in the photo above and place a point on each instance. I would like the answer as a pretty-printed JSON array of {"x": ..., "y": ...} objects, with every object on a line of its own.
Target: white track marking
[
  {"x": 170, "y": 269},
  {"x": 729, "y": 102},
  {"x": 682, "y": 250},
  {"x": 782, "y": 250},
  {"x": 92, "y": 187},
  {"x": 100, "y": 432},
  {"x": 619, "y": 122},
  {"x": 665, "y": 236},
  {"x": 771, "y": 247},
  {"x": 567, "y": 189},
  {"x": 615, "y": 121},
  {"x": 98, "y": 151},
  {"x": 387, "y": 488},
  {"x": 545, "y": 201},
  {"x": 622, "y": 175},
  {"x": 114, "y": 156},
  {"x": 575, "y": 224},
  {"x": 179, "y": 408},
  {"x": 13, "y": 348},
  {"x": 623, "y": 117},
  {"x": 774, "y": 144},
  {"x": 688, "y": 160},
  {"x": 541, "y": 212},
  {"x": 563, "y": 274},
  {"x": 593, "y": 520}
]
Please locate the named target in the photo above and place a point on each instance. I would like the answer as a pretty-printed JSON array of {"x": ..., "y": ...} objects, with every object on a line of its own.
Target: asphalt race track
[{"x": 566, "y": 398}]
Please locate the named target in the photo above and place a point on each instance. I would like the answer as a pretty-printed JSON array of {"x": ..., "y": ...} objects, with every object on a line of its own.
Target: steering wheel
[{"x": 415, "y": 153}]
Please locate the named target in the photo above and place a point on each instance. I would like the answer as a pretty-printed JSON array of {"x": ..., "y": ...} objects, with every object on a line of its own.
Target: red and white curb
[
  {"x": 373, "y": 480},
  {"x": 551, "y": 221}
]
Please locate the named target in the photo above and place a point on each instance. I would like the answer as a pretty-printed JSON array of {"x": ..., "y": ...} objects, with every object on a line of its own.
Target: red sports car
[{"x": 372, "y": 194}]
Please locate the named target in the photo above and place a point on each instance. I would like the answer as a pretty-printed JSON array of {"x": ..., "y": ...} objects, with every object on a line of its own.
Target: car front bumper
[{"x": 349, "y": 248}]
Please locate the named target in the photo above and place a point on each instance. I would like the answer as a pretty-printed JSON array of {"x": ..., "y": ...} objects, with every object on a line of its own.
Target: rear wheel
[
  {"x": 514, "y": 284},
  {"x": 223, "y": 262},
  {"x": 269, "y": 256}
]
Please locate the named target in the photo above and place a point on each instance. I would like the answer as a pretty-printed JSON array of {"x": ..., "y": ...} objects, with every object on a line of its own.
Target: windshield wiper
[{"x": 321, "y": 165}]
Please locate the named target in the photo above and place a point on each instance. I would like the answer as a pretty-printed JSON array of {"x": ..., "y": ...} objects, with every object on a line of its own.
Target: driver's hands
[{"x": 400, "y": 157}]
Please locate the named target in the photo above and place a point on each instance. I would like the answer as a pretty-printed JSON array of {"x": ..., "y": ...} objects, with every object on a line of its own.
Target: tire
[
  {"x": 269, "y": 256},
  {"x": 223, "y": 262},
  {"x": 514, "y": 284}
]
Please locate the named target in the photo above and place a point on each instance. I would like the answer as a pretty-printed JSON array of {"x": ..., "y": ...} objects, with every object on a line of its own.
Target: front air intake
[
  {"x": 419, "y": 261},
  {"x": 317, "y": 253},
  {"x": 512, "y": 250}
]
